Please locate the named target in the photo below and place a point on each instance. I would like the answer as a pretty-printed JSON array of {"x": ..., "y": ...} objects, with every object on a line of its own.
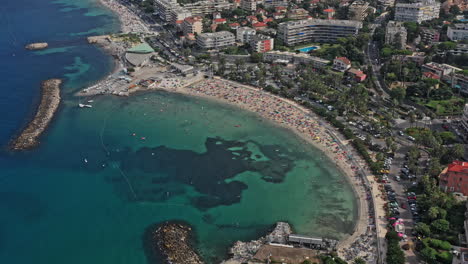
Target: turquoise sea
[{"x": 104, "y": 174}]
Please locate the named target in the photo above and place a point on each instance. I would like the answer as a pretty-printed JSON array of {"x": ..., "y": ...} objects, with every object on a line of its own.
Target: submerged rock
[
  {"x": 171, "y": 241},
  {"x": 37, "y": 46}
]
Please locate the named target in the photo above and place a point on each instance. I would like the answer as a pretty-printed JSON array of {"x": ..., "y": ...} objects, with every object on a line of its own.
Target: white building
[
  {"x": 163, "y": 8},
  {"x": 395, "y": 32},
  {"x": 417, "y": 12},
  {"x": 316, "y": 30},
  {"x": 192, "y": 25},
  {"x": 244, "y": 34},
  {"x": 208, "y": 7},
  {"x": 274, "y": 3},
  {"x": 464, "y": 121},
  {"x": 359, "y": 10},
  {"x": 217, "y": 40},
  {"x": 341, "y": 64},
  {"x": 261, "y": 43},
  {"x": 249, "y": 5},
  {"x": 457, "y": 32}
]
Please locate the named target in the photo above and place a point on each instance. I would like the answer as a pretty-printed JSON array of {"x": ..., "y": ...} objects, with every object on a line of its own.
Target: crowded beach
[{"x": 291, "y": 115}]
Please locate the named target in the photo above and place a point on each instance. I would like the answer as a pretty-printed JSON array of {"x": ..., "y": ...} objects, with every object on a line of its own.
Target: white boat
[
  {"x": 85, "y": 105},
  {"x": 86, "y": 160},
  {"x": 90, "y": 101}
]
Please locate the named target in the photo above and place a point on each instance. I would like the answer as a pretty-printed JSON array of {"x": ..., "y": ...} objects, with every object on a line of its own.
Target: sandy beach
[
  {"x": 129, "y": 22},
  {"x": 309, "y": 127}
]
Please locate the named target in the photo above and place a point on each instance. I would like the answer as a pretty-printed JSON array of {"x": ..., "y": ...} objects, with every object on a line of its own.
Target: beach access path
[{"x": 308, "y": 126}]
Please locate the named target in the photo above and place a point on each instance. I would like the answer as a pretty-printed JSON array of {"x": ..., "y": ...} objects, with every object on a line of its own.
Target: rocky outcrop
[
  {"x": 50, "y": 100},
  {"x": 171, "y": 241},
  {"x": 37, "y": 46},
  {"x": 243, "y": 252}
]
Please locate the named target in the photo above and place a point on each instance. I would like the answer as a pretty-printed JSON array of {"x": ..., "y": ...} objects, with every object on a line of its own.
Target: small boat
[
  {"x": 90, "y": 101},
  {"x": 85, "y": 105},
  {"x": 86, "y": 160}
]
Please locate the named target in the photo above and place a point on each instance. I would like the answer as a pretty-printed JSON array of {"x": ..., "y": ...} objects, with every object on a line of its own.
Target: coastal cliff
[
  {"x": 50, "y": 100},
  {"x": 171, "y": 240},
  {"x": 37, "y": 46}
]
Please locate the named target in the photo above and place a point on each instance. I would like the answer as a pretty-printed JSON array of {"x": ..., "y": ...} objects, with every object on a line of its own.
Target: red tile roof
[
  {"x": 431, "y": 75},
  {"x": 259, "y": 24},
  {"x": 220, "y": 20},
  {"x": 344, "y": 59},
  {"x": 458, "y": 166},
  {"x": 329, "y": 10}
]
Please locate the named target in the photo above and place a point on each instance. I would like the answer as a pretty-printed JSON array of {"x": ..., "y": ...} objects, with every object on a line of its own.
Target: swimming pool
[{"x": 307, "y": 49}]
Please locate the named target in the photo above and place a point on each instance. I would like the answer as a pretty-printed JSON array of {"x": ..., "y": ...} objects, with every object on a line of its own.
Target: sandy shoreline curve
[
  {"x": 288, "y": 114},
  {"x": 50, "y": 101}
]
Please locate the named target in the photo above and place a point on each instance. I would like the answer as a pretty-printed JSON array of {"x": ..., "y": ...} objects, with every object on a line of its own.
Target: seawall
[{"x": 50, "y": 101}]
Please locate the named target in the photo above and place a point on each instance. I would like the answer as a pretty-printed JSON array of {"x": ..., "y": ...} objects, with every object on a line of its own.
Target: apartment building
[
  {"x": 464, "y": 122},
  {"x": 358, "y": 10},
  {"x": 387, "y": 3},
  {"x": 291, "y": 57},
  {"x": 316, "y": 30},
  {"x": 178, "y": 14},
  {"x": 261, "y": 43},
  {"x": 249, "y": 5},
  {"x": 429, "y": 35},
  {"x": 192, "y": 25},
  {"x": 460, "y": 49},
  {"x": 460, "y": 82},
  {"x": 457, "y": 32},
  {"x": 163, "y": 8},
  {"x": 274, "y": 3},
  {"x": 444, "y": 71},
  {"x": 208, "y": 7},
  {"x": 244, "y": 34},
  {"x": 298, "y": 13},
  {"x": 417, "y": 12},
  {"x": 395, "y": 34},
  {"x": 217, "y": 40},
  {"x": 454, "y": 178}
]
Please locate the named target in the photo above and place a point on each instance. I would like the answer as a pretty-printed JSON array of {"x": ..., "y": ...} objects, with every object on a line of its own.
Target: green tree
[
  {"x": 256, "y": 57},
  {"x": 440, "y": 226},
  {"x": 429, "y": 254},
  {"x": 359, "y": 261},
  {"x": 398, "y": 93},
  {"x": 423, "y": 229}
]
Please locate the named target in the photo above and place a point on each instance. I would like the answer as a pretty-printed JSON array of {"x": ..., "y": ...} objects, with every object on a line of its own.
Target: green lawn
[{"x": 453, "y": 106}]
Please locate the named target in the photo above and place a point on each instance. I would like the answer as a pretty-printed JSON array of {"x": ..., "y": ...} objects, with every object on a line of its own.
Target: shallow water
[{"x": 150, "y": 158}]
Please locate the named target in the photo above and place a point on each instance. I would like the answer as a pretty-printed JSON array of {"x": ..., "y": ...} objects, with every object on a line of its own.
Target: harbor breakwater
[
  {"x": 50, "y": 101},
  {"x": 172, "y": 241}
]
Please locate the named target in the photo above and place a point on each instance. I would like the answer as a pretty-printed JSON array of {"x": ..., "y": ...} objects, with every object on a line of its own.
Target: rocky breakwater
[
  {"x": 171, "y": 241},
  {"x": 50, "y": 101},
  {"x": 37, "y": 46},
  {"x": 243, "y": 252}
]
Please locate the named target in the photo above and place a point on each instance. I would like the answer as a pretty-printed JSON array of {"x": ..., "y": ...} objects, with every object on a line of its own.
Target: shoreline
[
  {"x": 363, "y": 232},
  {"x": 50, "y": 101},
  {"x": 128, "y": 21},
  {"x": 321, "y": 140}
]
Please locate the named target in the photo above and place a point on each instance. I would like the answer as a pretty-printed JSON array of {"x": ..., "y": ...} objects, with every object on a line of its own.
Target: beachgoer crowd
[{"x": 130, "y": 22}]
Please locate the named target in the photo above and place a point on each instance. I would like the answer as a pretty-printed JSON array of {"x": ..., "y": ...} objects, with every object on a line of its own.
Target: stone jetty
[
  {"x": 243, "y": 252},
  {"x": 37, "y": 46},
  {"x": 50, "y": 100},
  {"x": 172, "y": 241}
]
